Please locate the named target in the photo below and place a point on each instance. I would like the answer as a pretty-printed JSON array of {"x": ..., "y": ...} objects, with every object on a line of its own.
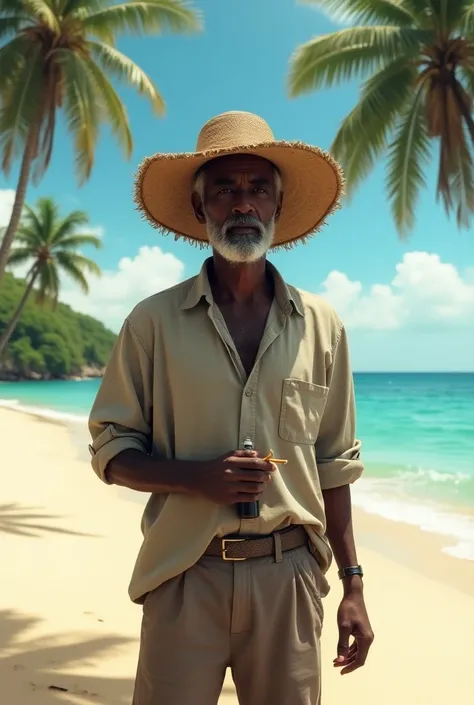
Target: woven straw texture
[{"x": 312, "y": 180}]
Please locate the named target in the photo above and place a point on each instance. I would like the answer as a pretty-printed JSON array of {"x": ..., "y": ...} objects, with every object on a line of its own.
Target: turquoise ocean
[{"x": 417, "y": 432}]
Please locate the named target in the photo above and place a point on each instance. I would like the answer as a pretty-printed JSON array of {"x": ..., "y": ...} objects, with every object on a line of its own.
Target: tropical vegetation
[
  {"x": 61, "y": 55},
  {"x": 49, "y": 246},
  {"x": 416, "y": 59},
  {"x": 50, "y": 343}
]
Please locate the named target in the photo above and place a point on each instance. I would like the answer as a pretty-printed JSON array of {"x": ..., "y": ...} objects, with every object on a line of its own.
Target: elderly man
[{"x": 212, "y": 385}]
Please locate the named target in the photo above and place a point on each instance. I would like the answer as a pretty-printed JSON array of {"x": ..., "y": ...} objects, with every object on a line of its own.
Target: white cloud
[
  {"x": 7, "y": 196},
  {"x": 424, "y": 291},
  {"x": 112, "y": 297}
]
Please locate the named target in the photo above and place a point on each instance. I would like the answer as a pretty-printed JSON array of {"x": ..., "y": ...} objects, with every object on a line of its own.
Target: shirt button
[{"x": 248, "y": 392}]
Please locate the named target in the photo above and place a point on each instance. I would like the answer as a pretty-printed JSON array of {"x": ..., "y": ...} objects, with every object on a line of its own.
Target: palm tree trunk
[
  {"x": 7, "y": 333},
  {"x": 28, "y": 156}
]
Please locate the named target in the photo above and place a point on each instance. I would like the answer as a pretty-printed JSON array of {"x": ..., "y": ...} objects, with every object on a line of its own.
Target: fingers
[
  {"x": 247, "y": 476},
  {"x": 343, "y": 648},
  {"x": 341, "y": 661},
  {"x": 360, "y": 657},
  {"x": 356, "y": 657},
  {"x": 251, "y": 462},
  {"x": 249, "y": 488}
]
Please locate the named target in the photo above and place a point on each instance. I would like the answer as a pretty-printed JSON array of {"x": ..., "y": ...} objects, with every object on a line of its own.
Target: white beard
[{"x": 241, "y": 248}]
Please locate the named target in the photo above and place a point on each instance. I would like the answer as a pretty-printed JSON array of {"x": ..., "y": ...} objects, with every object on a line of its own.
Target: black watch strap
[{"x": 350, "y": 570}]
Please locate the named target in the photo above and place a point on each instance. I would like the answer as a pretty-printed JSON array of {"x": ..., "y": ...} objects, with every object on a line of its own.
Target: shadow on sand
[
  {"x": 23, "y": 521},
  {"x": 38, "y": 666}
]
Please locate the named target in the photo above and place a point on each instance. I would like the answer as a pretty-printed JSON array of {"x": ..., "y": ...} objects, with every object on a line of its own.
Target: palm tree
[
  {"x": 417, "y": 61},
  {"x": 51, "y": 244},
  {"x": 61, "y": 54}
]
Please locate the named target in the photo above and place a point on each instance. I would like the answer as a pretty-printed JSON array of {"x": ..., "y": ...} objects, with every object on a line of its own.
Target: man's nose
[{"x": 242, "y": 206}]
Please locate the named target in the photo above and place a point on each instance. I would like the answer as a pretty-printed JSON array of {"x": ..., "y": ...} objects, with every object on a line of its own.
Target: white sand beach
[{"x": 69, "y": 634}]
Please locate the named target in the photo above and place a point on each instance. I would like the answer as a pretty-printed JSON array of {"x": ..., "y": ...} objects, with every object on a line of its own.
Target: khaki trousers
[{"x": 261, "y": 617}]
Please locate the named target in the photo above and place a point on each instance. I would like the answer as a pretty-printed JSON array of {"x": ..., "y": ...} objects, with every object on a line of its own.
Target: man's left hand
[{"x": 353, "y": 621}]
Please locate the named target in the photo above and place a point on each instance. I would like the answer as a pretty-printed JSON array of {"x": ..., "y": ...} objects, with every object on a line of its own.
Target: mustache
[{"x": 242, "y": 221}]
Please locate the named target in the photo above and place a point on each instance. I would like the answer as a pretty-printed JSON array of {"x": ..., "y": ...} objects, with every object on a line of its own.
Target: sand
[{"x": 69, "y": 634}]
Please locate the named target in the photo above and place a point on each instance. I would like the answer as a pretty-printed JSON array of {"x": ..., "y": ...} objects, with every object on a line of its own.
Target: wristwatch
[{"x": 350, "y": 570}]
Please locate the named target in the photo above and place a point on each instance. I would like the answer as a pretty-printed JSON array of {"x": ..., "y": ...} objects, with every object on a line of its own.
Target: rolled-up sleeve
[
  {"x": 121, "y": 415},
  {"x": 337, "y": 449}
]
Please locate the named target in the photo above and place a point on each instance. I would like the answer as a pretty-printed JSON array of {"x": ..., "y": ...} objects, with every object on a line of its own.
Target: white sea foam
[
  {"x": 43, "y": 412},
  {"x": 378, "y": 497}
]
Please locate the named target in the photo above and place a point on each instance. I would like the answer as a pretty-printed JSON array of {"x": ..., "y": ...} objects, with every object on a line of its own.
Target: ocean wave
[
  {"x": 43, "y": 412},
  {"x": 376, "y": 496},
  {"x": 436, "y": 476}
]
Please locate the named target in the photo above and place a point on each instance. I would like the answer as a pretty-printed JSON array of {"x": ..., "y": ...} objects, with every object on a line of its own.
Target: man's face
[{"x": 239, "y": 202}]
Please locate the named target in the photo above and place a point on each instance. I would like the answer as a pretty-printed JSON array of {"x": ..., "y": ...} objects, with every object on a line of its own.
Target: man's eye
[
  {"x": 225, "y": 190},
  {"x": 258, "y": 189}
]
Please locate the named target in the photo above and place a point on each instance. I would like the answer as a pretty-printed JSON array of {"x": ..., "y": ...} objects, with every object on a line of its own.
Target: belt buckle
[{"x": 224, "y": 555}]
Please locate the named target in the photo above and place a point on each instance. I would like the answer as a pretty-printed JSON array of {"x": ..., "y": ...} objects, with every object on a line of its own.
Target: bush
[{"x": 50, "y": 342}]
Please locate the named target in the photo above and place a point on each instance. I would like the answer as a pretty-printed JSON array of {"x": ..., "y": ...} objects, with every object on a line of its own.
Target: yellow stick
[{"x": 277, "y": 461}]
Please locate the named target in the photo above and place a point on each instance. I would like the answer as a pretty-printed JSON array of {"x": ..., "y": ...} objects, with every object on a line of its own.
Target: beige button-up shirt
[{"x": 175, "y": 388}]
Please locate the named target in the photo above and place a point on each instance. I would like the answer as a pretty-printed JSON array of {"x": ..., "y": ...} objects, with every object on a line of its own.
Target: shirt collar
[{"x": 287, "y": 297}]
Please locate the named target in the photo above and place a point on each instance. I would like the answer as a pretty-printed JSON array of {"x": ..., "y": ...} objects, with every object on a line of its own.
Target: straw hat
[{"x": 312, "y": 180}]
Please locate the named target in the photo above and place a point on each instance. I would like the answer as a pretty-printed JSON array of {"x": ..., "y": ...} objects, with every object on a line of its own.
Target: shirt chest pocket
[{"x": 302, "y": 407}]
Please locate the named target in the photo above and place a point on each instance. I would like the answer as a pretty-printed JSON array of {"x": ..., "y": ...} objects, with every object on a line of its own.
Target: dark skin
[
  {"x": 244, "y": 184},
  {"x": 240, "y": 185}
]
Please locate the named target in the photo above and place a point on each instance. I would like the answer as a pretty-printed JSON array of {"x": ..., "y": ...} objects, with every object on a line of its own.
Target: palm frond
[
  {"x": 29, "y": 224},
  {"x": 409, "y": 153},
  {"x": 67, "y": 227},
  {"x": 82, "y": 110},
  {"x": 10, "y": 25},
  {"x": 127, "y": 71},
  {"x": 366, "y": 11},
  {"x": 47, "y": 214},
  {"x": 42, "y": 10},
  {"x": 12, "y": 58},
  {"x": 467, "y": 79},
  {"x": 20, "y": 255},
  {"x": 78, "y": 7},
  {"x": 74, "y": 265},
  {"x": 364, "y": 133},
  {"x": 19, "y": 106},
  {"x": 448, "y": 15},
  {"x": 466, "y": 24},
  {"x": 422, "y": 11},
  {"x": 351, "y": 52},
  {"x": 143, "y": 17},
  {"x": 114, "y": 110},
  {"x": 12, "y": 7},
  {"x": 462, "y": 184},
  {"x": 79, "y": 240}
]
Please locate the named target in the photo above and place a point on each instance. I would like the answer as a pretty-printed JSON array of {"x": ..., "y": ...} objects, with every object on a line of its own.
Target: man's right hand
[{"x": 238, "y": 476}]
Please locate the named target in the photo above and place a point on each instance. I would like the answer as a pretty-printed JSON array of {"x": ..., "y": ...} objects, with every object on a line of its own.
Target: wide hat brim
[{"x": 312, "y": 182}]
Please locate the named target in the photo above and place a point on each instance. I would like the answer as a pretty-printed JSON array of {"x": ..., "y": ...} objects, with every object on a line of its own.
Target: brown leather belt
[{"x": 240, "y": 548}]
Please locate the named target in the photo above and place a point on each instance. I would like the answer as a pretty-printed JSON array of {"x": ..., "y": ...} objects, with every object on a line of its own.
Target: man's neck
[{"x": 243, "y": 283}]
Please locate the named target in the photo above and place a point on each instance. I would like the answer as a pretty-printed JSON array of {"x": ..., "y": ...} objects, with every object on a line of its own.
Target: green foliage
[
  {"x": 415, "y": 59},
  {"x": 60, "y": 55},
  {"x": 53, "y": 342}
]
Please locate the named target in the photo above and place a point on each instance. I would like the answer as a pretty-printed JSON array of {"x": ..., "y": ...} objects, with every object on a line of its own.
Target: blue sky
[{"x": 418, "y": 317}]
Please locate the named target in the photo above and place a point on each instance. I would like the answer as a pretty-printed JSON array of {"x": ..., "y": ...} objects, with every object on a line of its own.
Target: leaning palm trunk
[
  {"x": 20, "y": 195},
  {"x": 7, "y": 333}
]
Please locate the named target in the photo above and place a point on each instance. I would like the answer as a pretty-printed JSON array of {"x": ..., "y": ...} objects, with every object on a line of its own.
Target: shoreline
[
  {"x": 450, "y": 524},
  {"x": 69, "y": 633}
]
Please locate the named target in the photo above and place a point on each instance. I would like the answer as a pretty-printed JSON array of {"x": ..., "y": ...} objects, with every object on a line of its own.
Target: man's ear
[
  {"x": 198, "y": 208},
  {"x": 279, "y": 207}
]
